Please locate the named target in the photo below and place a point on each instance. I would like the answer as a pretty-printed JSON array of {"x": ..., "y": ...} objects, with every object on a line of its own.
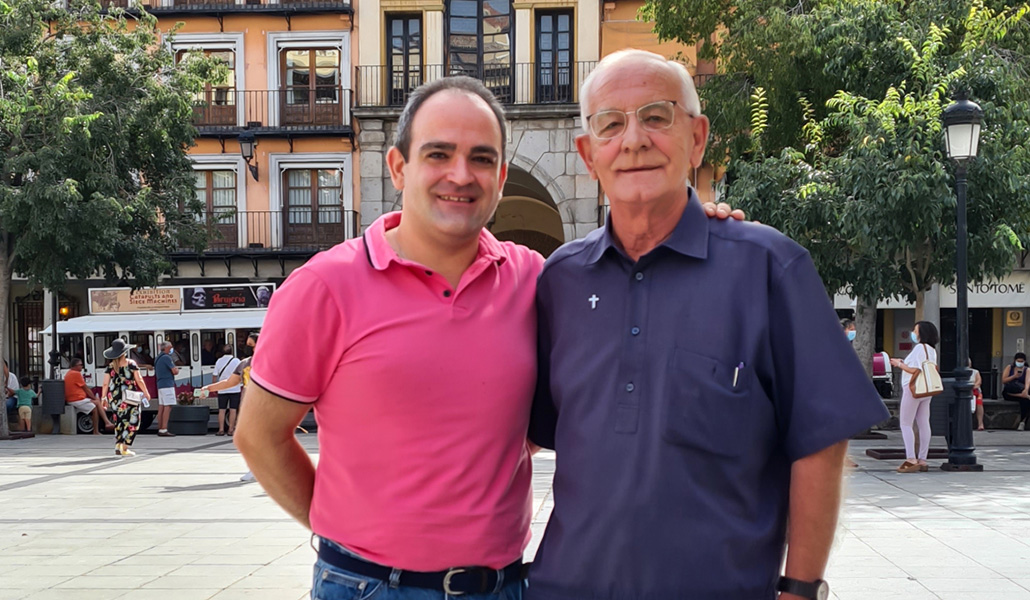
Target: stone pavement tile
[
  {"x": 72, "y": 594},
  {"x": 12, "y": 594},
  {"x": 210, "y": 581},
  {"x": 34, "y": 582},
  {"x": 850, "y": 588},
  {"x": 992, "y": 595},
  {"x": 230, "y": 557},
  {"x": 961, "y": 584},
  {"x": 213, "y": 570},
  {"x": 266, "y": 594},
  {"x": 121, "y": 569},
  {"x": 973, "y": 573},
  {"x": 51, "y": 568},
  {"x": 189, "y": 594},
  {"x": 258, "y": 583},
  {"x": 106, "y": 582}
]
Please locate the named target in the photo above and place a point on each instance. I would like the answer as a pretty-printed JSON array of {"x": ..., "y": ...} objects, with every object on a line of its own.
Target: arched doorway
[{"x": 527, "y": 215}]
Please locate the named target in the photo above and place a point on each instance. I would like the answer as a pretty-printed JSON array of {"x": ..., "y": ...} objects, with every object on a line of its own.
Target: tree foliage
[
  {"x": 828, "y": 118},
  {"x": 95, "y": 122}
]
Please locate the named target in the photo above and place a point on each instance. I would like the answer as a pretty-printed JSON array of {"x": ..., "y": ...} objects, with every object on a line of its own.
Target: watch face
[{"x": 823, "y": 593}]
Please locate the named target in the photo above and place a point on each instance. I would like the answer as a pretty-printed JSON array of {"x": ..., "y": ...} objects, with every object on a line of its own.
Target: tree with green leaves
[
  {"x": 828, "y": 120},
  {"x": 95, "y": 122}
]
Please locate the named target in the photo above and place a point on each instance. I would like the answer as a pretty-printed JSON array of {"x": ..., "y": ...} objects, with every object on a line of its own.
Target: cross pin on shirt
[{"x": 593, "y": 301}]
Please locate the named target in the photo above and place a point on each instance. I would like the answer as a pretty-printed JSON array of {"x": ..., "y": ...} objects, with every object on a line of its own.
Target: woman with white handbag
[
  {"x": 122, "y": 380},
  {"x": 916, "y": 411}
]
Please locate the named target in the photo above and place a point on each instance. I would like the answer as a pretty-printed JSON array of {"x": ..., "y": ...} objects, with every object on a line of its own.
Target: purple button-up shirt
[{"x": 677, "y": 391}]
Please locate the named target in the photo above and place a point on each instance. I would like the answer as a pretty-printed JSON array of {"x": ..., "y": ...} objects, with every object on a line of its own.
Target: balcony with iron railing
[
  {"x": 303, "y": 229},
  {"x": 295, "y": 110},
  {"x": 513, "y": 84},
  {"x": 219, "y": 7}
]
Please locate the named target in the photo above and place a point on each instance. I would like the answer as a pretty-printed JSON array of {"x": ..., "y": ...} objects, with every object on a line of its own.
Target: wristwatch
[{"x": 813, "y": 590}]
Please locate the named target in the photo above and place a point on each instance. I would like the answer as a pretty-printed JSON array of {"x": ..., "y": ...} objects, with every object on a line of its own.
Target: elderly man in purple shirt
[{"x": 693, "y": 379}]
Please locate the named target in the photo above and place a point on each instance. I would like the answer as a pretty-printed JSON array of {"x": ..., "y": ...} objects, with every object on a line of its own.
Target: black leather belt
[{"x": 454, "y": 582}]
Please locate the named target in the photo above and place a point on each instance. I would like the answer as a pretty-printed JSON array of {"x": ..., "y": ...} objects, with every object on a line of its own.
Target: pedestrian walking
[
  {"x": 915, "y": 412},
  {"x": 123, "y": 385}
]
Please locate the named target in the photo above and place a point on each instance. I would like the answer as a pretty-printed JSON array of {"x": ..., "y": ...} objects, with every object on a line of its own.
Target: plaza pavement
[{"x": 175, "y": 523}]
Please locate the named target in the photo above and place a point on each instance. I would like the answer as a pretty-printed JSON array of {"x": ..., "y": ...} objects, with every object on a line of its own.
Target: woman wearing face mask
[
  {"x": 1014, "y": 384},
  {"x": 916, "y": 411}
]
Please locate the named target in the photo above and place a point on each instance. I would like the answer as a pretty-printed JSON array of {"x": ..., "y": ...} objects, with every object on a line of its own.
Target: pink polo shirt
[{"x": 422, "y": 395}]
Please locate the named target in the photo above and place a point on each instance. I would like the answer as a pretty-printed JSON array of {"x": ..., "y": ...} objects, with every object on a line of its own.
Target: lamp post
[{"x": 962, "y": 133}]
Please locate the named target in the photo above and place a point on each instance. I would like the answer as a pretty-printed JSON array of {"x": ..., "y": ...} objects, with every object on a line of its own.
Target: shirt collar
[
  {"x": 380, "y": 254},
  {"x": 689, "y": 237}
]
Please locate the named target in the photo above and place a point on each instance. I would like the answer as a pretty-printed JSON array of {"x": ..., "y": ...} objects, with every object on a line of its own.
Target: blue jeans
[
  {"x": 11, "y": 403},
  {"x": 331, "y": 583}
]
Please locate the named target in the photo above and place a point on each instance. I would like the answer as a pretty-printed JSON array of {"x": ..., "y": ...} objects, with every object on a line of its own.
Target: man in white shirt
[{"x": 229, "y": 398}]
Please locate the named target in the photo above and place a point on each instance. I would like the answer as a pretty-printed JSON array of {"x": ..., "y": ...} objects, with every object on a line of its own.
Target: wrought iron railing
[
  {"x": 227, "y": 5},
  {"x": 293, "y": 107},
  {"x": 293, "y": 228},
  {"x": 519, "y": 83}
]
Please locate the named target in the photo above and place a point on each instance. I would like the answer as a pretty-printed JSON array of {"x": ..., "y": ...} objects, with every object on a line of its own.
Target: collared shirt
[
  {"x": 677, "y": 391},
  {"x": 422, "y": 394},
  {"x": 163, "y": 367}
]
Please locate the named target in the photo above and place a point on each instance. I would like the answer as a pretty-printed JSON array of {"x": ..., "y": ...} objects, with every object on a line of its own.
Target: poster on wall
[
  {"x": 125, "y": 300},
  {"x": 216, "y": 297}
]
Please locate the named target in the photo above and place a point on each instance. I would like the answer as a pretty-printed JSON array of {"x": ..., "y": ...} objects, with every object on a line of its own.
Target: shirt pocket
[{"x": 707, "y": 404}]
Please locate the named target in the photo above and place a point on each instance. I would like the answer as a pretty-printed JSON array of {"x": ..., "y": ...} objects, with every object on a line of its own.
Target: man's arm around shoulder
[
  {"x": 265, "y": 438},
  {"x": 815, "y": 497}
]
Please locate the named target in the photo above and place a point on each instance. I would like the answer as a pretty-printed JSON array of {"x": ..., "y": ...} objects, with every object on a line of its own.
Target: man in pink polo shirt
[{"x": 416, "y": 344}]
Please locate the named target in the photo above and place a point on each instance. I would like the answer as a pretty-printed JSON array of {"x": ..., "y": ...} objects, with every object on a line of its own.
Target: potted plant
[{"x": 187, "y": 417}]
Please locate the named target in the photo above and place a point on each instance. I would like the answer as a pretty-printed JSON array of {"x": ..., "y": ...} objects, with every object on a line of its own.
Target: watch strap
[{"x": 805, "y": 589}]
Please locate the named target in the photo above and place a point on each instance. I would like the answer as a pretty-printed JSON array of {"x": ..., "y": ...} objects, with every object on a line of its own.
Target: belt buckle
[{"x": 447, "y": 582}]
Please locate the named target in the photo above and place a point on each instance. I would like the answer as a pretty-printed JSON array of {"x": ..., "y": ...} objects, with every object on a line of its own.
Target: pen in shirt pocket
[{"x": 736, "y": 374}]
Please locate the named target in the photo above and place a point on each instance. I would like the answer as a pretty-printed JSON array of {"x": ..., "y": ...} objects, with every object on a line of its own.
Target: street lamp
[
  {"x": 247, "y": 144},
  {"x": 962, "y": 133}
]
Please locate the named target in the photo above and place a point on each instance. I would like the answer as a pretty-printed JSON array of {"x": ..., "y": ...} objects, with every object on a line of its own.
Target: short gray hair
[{"x": 691, "y": 103}]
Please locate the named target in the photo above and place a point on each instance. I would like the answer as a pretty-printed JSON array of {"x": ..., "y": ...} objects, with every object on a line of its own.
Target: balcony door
[
  {"x": 313, "y": 208},
  {"x": 479, "y": 43},
  {"x": 216, "y": 104},
  {"x": 554, "y": 56},
  {"x": 404, "y": 61},
  {"x": 311, "y": 93},
  {"x": 216, "y": 191}
]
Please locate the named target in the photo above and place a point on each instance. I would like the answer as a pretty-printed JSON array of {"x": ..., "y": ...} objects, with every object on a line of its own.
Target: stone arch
[{"x": 527, "y": 214}]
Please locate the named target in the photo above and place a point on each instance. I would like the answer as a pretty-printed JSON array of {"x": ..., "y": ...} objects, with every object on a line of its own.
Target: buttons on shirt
[
  {"x": 639, "y": 276},
  {"x": 635, "y": 331},
  {"x": 429, "y": 273},
  {"x": 630, "y": 387},
  {"x": 447, "y": 293}
]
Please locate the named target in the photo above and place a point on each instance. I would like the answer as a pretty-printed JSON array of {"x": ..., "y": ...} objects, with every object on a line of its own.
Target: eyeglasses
[{"x": 657, "y": 116}]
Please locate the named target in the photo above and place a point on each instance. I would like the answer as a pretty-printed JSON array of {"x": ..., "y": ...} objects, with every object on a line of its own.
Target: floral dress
[{"x": 127, "y": 415}]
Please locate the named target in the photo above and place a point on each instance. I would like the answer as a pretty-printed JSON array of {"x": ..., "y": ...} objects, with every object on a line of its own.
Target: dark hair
[
  {"x": 845, "y": 323},
  {"x": 1018, "y": 356},
  {"x": 253, "y": 335},
  {"x": 426, "y": 91},
  {"x": 927, "y": 333},
  {"x": 227, "y": 349},
  {"x": 25, "y": 381},
  {"x": 74, "y": 362}
]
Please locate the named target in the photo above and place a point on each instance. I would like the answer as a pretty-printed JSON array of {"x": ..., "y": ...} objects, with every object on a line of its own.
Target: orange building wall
[{"x": 255, "y": 77}]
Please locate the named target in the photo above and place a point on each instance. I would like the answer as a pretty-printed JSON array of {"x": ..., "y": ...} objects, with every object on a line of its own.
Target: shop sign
[
  {"x": 126, "y": 300},
  {"x": 218, "y": 297}
]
